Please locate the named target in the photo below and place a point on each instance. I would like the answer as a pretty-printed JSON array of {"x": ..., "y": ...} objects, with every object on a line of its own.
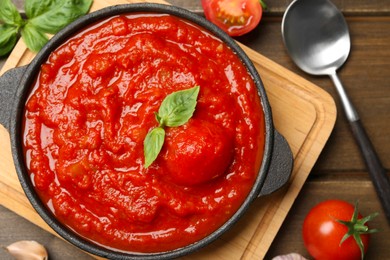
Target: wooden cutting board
[{"x": 303, "y": 113}]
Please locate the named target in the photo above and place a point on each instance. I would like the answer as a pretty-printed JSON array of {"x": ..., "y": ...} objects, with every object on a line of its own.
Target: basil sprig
[
  {"x": 43, "y": 16},
  {"x": 175, "y": 110}
]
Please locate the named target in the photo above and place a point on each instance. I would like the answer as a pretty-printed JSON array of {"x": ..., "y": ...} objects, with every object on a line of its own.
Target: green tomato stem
[
  {"x": 360, "y": 228},
  {"x": 357, "y": 227},
  {"x": 263, "y": 4}
]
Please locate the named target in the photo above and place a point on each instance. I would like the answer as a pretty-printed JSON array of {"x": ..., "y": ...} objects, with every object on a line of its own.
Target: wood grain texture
[
  {"x": 346, "y": 185},
  {"x": 365, "y": 76},
  {"x": 339, "y": 171},
  {"x": 277, "y": 7},
  {"x": 303, "y": 113}
]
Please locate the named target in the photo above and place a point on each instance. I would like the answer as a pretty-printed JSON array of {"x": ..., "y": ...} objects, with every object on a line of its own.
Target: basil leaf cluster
[
  {"x": 43, "y": 17},
  {"x": 175, "y": 110}
]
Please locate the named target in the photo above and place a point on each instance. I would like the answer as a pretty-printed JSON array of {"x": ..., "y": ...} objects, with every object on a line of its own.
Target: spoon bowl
[
  {"x": 317, "y": 38},
  {"x": 317, "y": 46}
]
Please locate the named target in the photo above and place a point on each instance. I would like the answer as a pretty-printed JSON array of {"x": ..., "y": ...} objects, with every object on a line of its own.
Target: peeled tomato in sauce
[{"x": 92, "y": 105}]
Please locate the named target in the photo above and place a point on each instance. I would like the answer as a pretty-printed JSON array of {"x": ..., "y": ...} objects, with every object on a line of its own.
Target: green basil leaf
[
  {"x": 153, "y": 143},
  {"x": 52, "y": 17},
  {"x": 34, "y": 8},
  {"x": 8, "y": 37},
  {"x": 9, "y": 14},
  {"x": 175, "y": 110},
  {"x": 178, "y": 107},
  {"x": 34, "y": 38}
]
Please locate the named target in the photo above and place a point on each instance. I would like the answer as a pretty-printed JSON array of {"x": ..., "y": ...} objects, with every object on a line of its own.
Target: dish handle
[
  {"x": 280, "y": 168},
  {"x": 9, "y": 83}
]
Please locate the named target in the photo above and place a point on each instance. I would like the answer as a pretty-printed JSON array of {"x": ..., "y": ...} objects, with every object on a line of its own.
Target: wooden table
[{"x": 340, "y": 171}]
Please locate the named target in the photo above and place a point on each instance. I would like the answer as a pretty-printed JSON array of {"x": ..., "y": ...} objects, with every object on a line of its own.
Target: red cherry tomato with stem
[
  {"x": 334, "y": 229},
  {"x": 235, "y": 17}
]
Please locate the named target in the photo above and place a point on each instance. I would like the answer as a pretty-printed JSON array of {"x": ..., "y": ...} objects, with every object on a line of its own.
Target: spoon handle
[
  {"x": 349, "y": 109},
  {"x": 376, "y": 170}
]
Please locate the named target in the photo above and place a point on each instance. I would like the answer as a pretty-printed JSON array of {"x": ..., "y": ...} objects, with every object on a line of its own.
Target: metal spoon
[{"x": 317, "y": 38}]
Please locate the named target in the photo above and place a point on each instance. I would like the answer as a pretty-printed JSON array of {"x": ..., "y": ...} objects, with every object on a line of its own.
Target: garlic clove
[
  {"x": 27, "y": 250},
  {"x": 292, "y": 256}
]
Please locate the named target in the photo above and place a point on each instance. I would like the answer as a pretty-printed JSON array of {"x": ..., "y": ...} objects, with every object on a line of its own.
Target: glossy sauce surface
[{"x": 91, "y": 107}]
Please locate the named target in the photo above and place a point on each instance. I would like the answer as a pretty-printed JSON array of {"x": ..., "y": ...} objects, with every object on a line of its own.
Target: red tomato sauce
[{"x": 91, "y": 107}]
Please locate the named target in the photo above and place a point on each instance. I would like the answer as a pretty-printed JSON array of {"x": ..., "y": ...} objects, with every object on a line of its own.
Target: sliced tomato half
[{"x": 235, "y": 17}]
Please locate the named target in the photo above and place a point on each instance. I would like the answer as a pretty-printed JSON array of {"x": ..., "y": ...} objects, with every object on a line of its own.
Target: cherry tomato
[
  {"x": 325, "y": 228},
  {"x": 235, "y": 17}
]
